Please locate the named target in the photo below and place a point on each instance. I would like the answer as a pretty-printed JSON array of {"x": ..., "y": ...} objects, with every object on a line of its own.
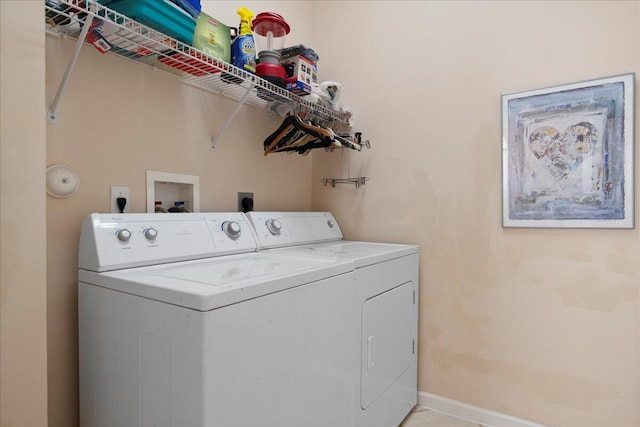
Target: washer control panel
[
  {"x": 116, "y": 241},
  {"x": 278, "y": 229},
  {"x": 232, "y": 229},
  {"x": 274, "y": 226},
  {"x": 150, "y": 233}
]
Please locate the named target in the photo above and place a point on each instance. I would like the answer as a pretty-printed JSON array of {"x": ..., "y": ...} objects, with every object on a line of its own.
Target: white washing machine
[
  {"x": 182, "y": 323},
  {"x": 386, "y": 281}
]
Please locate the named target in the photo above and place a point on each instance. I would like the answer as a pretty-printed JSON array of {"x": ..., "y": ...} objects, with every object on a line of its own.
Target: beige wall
[
  {"x": 116, "y": 121},
  {"x": 23, "y": 329},
  {"x": 538, "y": 324}
]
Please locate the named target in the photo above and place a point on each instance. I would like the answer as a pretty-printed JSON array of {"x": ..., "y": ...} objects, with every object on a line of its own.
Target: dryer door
[{"x": 388, "y": 330}]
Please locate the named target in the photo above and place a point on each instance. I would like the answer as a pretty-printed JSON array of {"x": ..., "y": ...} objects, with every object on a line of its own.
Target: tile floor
[{"x": 423, "y": 417}]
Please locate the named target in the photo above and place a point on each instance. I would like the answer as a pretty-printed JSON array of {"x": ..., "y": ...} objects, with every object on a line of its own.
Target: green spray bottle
[{"x": 243, "y": 50}]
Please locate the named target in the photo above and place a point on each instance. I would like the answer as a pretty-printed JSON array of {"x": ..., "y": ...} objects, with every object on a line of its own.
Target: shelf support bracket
[
  {"x": 233, "y": 114},
  {"x": 51, "y": 115}
]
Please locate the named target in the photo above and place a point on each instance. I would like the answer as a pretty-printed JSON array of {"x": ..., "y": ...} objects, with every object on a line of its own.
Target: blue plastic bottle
[{"x": 243, "y": 51}]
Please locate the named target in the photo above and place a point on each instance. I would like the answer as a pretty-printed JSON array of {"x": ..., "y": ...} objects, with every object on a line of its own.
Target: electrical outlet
[
  {"x": 119, "y": 191},
  {"x": 241, "y": 197}
]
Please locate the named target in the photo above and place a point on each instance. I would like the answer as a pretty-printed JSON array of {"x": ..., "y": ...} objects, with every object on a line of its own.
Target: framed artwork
[{"x": 567, "y": 155}]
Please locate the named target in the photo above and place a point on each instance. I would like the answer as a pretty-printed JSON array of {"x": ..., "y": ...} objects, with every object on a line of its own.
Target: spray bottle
[{"x": 243, "y": 51}]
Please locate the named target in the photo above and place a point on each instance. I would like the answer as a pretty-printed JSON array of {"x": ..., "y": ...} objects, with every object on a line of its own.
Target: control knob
[
  {"x": 274, "y": 226},
  {"x": 231, "y": 229},
  {"x": 150, "y": 233},
  {"x": 123, "y": 235},
  {"x": 330, "y": 223}
]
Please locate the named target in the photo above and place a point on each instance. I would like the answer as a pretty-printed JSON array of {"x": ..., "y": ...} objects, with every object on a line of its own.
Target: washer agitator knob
[
  {"x": 150, "y": 233},
  {"x": 123, "y": 235},
  {"x": 231, "y": 229},
  {"x": 274, "y": 226}
]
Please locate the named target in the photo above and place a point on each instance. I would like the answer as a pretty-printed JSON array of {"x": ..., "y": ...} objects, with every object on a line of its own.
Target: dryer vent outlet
[{"x": 245, "y": 202}]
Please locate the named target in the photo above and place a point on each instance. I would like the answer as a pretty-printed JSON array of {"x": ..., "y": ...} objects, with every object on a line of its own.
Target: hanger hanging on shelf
[
  {"x": 301, "y": 135},
  {"x": 295, "y": 134},
  {"x": 357, "y": 143}
]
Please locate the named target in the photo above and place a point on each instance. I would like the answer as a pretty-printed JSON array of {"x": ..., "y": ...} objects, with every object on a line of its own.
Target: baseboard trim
[{"x": 470, "y": 413}]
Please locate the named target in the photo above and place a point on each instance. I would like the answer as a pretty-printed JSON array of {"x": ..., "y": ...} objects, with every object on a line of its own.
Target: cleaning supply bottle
[{"x": 243, "y": 51}]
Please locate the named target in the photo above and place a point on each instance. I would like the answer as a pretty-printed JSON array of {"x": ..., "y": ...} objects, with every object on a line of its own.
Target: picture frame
[{"x": 567, "y": 155}]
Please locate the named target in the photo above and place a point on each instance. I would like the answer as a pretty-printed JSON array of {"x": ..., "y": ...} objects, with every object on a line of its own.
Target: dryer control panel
[
  {"x": 278, "y": 229},
  {"x": 117, "y": 241}
]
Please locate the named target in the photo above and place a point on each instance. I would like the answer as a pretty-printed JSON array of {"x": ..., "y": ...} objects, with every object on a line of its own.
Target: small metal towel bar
[{"x": 359, "y": 182}]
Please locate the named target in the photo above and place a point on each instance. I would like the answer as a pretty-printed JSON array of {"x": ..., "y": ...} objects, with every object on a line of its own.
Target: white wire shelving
[{"x": 127, "y": 38}]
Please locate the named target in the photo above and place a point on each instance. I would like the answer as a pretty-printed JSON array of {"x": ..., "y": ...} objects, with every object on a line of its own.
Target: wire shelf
[{"x": 136, "y": 42}]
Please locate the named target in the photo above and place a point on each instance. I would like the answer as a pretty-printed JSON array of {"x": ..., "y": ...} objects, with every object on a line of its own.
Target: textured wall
[
  {"x": 23, "y": 292},
  {"x": 538, "y": 324},
  {"x": 116, "y": 121}
]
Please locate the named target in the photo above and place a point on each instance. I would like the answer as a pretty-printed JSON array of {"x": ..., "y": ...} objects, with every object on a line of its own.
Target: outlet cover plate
[
  {"x": 241, "y": 196},
  {"x": 119, "y": 191}
]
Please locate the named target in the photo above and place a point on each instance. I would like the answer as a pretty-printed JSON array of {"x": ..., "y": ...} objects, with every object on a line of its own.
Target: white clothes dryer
[
  {"x": 182, "y": 323},
  {"x": 386, "y": 281}
]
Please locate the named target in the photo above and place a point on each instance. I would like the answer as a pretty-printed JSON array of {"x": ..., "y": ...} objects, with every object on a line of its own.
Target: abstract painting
[{"x": 567, "y": 155}]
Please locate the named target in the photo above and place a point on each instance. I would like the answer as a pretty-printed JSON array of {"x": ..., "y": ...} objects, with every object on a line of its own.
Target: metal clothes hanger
[{"x": 295, "y": 134}]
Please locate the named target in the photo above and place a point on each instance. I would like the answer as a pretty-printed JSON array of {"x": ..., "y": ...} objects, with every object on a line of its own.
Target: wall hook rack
[{"x": 359, "y": 182}]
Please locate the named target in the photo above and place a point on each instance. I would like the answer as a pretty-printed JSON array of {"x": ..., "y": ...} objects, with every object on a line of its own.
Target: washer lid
[
  {"x": 215, "y": 282},
  {"x": 361, "y": 253}
]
